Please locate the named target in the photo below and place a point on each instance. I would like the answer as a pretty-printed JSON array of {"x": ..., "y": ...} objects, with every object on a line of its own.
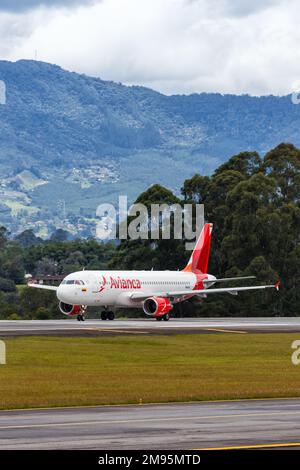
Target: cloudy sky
[{"x": 174, "y": 46}]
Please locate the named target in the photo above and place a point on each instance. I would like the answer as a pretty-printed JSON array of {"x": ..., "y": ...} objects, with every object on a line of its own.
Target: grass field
[{"x": 46, "y": 371}]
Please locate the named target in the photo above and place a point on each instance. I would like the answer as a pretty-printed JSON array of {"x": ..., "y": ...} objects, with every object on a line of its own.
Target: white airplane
[{"x": 154, "y": 291}]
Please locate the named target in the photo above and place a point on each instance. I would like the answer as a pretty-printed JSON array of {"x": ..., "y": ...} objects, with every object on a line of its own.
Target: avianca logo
[
  {"x": 104, "y": 282},
  {"x": 121, "y": 283}
]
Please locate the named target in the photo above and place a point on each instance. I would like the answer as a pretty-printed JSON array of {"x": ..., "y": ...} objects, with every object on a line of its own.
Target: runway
[
  {"x": 205, "y": 425},
  {"x": 71, "y": 327}
]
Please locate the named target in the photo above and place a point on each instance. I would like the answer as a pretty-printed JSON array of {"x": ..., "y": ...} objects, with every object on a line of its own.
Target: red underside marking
[{"x": 199, "y": 281}]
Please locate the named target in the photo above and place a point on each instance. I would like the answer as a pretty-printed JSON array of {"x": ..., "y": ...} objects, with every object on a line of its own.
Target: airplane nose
[
  {"x": 66, "y": 293},
  {"x": 59, "y": 292},
  {"x": 63, "y": 293}
]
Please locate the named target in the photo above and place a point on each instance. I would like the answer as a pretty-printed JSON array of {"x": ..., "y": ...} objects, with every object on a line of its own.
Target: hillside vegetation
[
  {"x": 254, "y": 204},
  {"x": 73, "y": 141}
]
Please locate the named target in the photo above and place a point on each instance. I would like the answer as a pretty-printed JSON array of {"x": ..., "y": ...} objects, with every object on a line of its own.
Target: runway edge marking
[
  {"x": 167, "y": 403},
  {"x": 144, "y": 420}
]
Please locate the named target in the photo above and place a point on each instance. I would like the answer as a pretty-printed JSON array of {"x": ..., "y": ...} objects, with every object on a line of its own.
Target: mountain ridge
[{"x": 88, "y": 140}]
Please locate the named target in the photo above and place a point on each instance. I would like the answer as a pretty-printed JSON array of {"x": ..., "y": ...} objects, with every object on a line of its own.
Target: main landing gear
[
  {"x": 165, "y": 317},
  {"x": 80, "y": 317},
  {"x": 107, "y": 315}
]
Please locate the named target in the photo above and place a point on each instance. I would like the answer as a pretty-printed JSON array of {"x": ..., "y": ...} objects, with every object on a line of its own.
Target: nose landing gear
[{"x": 81, "y": 314}]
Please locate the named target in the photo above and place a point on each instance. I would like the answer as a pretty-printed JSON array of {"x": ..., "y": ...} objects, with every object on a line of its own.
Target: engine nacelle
[
  {"x": 68, "y": 309},
  {"x": 157, "y": 306}
]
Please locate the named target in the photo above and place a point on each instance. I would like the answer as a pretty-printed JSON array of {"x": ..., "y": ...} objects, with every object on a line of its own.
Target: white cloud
[
  {"x": 175, "y": 46},
  {"x": 23, "y": 5}
]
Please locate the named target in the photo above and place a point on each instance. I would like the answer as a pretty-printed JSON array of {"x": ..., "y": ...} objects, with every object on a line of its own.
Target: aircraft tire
[
  {"x": 111, "y": 316},
  {"x": 103, "y": 315}
]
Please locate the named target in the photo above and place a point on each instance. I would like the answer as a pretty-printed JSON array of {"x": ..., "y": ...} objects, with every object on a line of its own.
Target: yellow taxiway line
[
  {"x": 225, "y": 331},
  {"x": 109, "y": 330},
  {"x": 138, "y": 332},
  {"x": 254, "y": 446}
]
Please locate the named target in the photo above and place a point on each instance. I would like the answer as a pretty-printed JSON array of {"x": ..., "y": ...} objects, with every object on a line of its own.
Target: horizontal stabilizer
[{"x": 228, "y": 279}]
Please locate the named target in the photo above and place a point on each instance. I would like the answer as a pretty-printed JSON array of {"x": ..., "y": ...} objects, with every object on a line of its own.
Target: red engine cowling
[
  {"x": 68, "y": 309},
  {"x": 157, "y": 306}
]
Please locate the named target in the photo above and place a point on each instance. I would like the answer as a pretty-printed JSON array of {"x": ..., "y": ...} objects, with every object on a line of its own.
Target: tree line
[{"x": 254, "y": 204}]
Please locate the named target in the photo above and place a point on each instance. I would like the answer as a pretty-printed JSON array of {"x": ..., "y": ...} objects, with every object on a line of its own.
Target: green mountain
[{"x": 70, "y": 142}]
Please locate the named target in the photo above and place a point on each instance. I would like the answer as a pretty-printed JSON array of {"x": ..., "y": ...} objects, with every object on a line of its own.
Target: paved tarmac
[
  {"x": 72, "y": 327},
  {"x": 272, "y": 423}
]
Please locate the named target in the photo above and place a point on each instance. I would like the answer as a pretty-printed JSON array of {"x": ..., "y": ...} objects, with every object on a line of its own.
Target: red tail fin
[{"x": 199, "y": 259}]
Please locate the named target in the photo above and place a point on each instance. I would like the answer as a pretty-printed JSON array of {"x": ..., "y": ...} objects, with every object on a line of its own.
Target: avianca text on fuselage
[
  {"x": 121, "y": 283},
  {"x": 156, "y": 292}
]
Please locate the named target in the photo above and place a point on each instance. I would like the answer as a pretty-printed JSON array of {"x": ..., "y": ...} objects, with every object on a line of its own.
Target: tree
[
  {"x": 196, "y": 189},
  {"x": 151, "y": 253},
  {"x": 60, "y": 235},
  {"x": 3, "y": 237},
  {"x": 7, "y": 285},
  {"x": 246, "y": 163},
  {"x": 283, "y": 164},
  {"x": 28, "y": 238}
]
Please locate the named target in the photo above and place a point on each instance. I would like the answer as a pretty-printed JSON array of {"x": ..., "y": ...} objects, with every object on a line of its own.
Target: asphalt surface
[
  {"x": 72, "y": 327},
  {"x": 251, "y": 423}
]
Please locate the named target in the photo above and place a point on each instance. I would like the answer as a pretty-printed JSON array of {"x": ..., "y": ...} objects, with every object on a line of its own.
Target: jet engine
[
  {"x": 157, "y": 306},
  {"x": 68, "y": 309}
]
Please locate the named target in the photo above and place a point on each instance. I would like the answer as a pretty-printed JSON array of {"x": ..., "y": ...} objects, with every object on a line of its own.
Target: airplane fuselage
[{"x": 115, "y": 288}]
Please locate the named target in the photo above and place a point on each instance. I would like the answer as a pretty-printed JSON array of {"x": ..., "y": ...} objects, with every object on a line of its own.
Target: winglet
[{"x": 277, "y": 285}]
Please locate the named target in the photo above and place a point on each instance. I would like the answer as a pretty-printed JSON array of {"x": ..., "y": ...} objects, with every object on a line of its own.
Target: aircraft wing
[
  {"x": 202, "y": 292},
  {"x": 41, "y": 286}
]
